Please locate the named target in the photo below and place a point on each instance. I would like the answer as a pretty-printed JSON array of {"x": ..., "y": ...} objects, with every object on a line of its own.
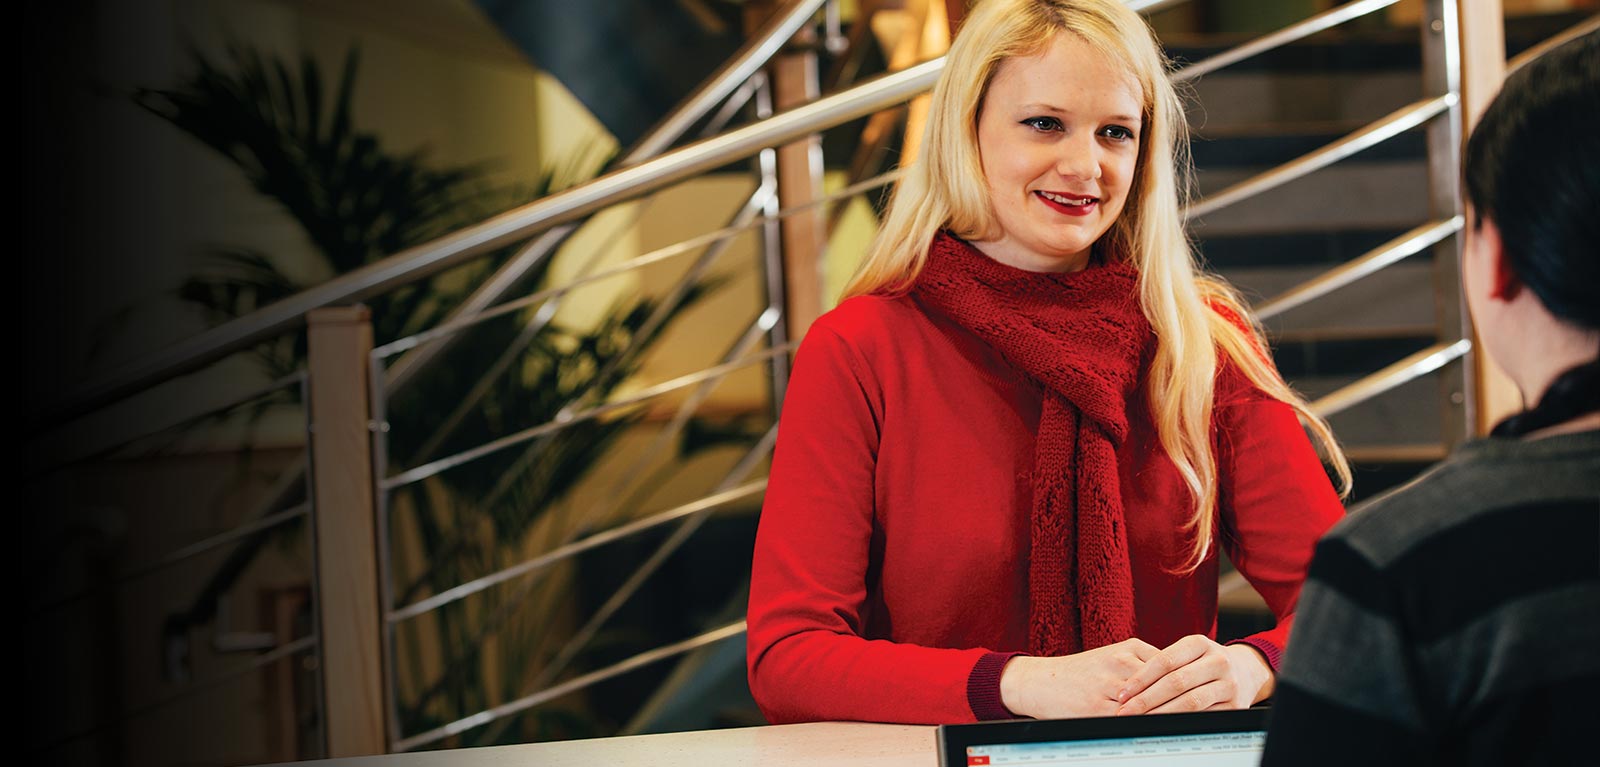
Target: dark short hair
[{"x": 1533, "y": 167}]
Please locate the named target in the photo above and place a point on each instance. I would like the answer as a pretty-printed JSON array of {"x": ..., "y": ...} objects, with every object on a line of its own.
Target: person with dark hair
[{"x": 1457, "y": 620}]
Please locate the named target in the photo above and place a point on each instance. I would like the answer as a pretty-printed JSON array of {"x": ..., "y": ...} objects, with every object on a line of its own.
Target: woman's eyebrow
[
  {"x": 1043, "y": 107},
  {"x": 1040, "y": 106}
]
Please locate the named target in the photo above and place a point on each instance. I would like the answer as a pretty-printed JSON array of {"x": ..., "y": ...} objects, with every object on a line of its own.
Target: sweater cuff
[
  {"x": 983, "y": 687},
  {"x": 1273, "y": 654}
]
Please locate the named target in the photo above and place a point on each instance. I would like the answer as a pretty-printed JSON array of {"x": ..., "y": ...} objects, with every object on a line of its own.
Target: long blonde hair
[{"x": 1193, "y": 315}]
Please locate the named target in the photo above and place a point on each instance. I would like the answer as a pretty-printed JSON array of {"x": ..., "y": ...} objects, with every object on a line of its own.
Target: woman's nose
[{"x": 1079, "y": 156}]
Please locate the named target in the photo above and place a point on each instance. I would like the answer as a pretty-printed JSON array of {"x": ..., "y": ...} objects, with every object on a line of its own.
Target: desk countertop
[{"x": 841, "y": 744}]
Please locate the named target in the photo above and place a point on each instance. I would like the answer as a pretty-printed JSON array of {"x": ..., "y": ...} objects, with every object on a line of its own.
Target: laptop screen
[{"x": 1218, "y": 739}]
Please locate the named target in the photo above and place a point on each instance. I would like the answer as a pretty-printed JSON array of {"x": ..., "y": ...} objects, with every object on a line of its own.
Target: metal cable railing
[
  {"x": 399, "y": 372},
  {"x": 547, "y": 312},
  {"x": 1412, "y": 367},
  {"x": 759, "y": 452},
  {"x": 659, "y": 314},
  {"x": 763, "y": 322},
  {"x": 1321, "y": 22},
  {"x": 656, "y": 256},
  {"x": 551, "y": 557},
  {"x": 1374, "y": 133},
  {"x": 580, "y": 638},
  {"x": 506, "y": 228},
  {"x": 690, "y": 524},
  {"x": 661, "y": 444},
  {"x": 428, "y": 259},
  {"x": 1371, "y": 262},
  {"x": 449, "y": 462},
  {"x": 570, "y": 686}
]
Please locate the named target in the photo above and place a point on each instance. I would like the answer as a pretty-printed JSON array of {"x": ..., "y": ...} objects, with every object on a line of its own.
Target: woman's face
[{"x": 1058, "y": 134}]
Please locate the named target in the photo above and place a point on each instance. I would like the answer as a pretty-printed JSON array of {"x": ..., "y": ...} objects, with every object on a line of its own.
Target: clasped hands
[{"x": 1133, "y": 677}]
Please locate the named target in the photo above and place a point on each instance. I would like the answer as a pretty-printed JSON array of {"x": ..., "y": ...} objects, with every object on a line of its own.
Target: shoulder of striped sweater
[
  {"x": 1463, "y": 487},
  {"x": 1385, "y": 527}
]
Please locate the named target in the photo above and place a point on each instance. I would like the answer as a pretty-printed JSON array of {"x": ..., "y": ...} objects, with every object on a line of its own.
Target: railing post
[
  {"x": 345, "y": 518},
  {"x": 1483, "y": 68},
  {"x": 929, "y": 36},
  {"x": 793, "y": 74},
  {"x": 1441, "y": 74}
]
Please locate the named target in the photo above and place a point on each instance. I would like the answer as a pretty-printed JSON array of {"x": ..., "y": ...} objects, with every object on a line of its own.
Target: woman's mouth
[{"x": 1071, "y": 205}]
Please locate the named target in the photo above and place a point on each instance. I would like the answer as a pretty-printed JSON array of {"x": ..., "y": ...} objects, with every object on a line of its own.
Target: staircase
[{"x": 1266, "y": 111}]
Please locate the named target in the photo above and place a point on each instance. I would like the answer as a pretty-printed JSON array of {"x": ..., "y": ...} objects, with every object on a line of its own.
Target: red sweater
[{"x": 892, "y": 554}]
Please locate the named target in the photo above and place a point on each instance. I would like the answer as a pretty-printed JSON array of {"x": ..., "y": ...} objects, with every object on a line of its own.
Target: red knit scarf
[{"x": 1083, "y": 337}]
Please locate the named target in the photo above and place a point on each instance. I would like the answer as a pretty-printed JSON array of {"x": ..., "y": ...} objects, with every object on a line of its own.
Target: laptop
[{"x": 1206, "y": 739}]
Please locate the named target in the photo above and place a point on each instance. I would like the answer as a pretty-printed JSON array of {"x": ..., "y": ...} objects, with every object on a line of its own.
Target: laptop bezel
[{"x": 953, "y": 739}]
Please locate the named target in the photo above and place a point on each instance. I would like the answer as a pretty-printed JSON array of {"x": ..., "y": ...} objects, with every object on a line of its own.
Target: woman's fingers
[
  {"x": 1173, "y": 676},
  {"x": 1130, "y": 677},
  {"x": 1141, "y": 649},
  {"x": 1162, "y": 663},
  {"x": 1179, "y": 688},
  {"x": 1217, "y": 694},
  {"x": 1083, "y": 684}
]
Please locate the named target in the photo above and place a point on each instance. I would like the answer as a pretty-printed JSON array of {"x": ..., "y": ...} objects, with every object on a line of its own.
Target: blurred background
[{"x": 402, "y": 375}]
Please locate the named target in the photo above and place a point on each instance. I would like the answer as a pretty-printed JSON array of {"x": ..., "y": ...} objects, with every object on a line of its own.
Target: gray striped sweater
[{"x": 1455, "y": 620}]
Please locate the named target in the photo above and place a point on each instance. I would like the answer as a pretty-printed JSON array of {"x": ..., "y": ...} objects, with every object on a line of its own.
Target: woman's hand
[
  {"x": 1084, "y": 684},
  {"x": 1196, "y": 674}
]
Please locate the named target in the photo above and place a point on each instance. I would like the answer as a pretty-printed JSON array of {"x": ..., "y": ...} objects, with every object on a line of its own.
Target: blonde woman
[{"x": 1008, "y": 459}]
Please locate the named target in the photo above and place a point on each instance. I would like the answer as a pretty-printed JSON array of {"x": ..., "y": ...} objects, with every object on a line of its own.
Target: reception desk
[{"x": 836, "y": 744}]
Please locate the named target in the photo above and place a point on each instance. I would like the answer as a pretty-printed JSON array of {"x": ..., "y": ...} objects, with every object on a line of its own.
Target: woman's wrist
[
  {"x": 1014, "y": 685},
  {"x": 1256, "y": 669}
]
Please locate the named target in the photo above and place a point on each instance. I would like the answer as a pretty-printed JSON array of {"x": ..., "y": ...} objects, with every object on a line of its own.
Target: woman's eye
[
  {"x": 1117, "y": 132},
  {"x": 1043, "y": 123}
]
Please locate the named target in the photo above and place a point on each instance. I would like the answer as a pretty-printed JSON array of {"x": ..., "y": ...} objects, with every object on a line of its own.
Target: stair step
[
  {"x": 1363, "y": 195},
  {"x": 1341, "y": 49},
  {"x": 1233, "y": 101},
  {"x": 1401, "y": 295},
  {"x": 1352, "y": 73},
  {"x": 1323, "y": 247},
  {"x": 1253, "y": 147},
  {"x": 1356, "y": 354},
  {"x": 1358, "y": 46},
  {"x": 1408, "y": 414}
]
